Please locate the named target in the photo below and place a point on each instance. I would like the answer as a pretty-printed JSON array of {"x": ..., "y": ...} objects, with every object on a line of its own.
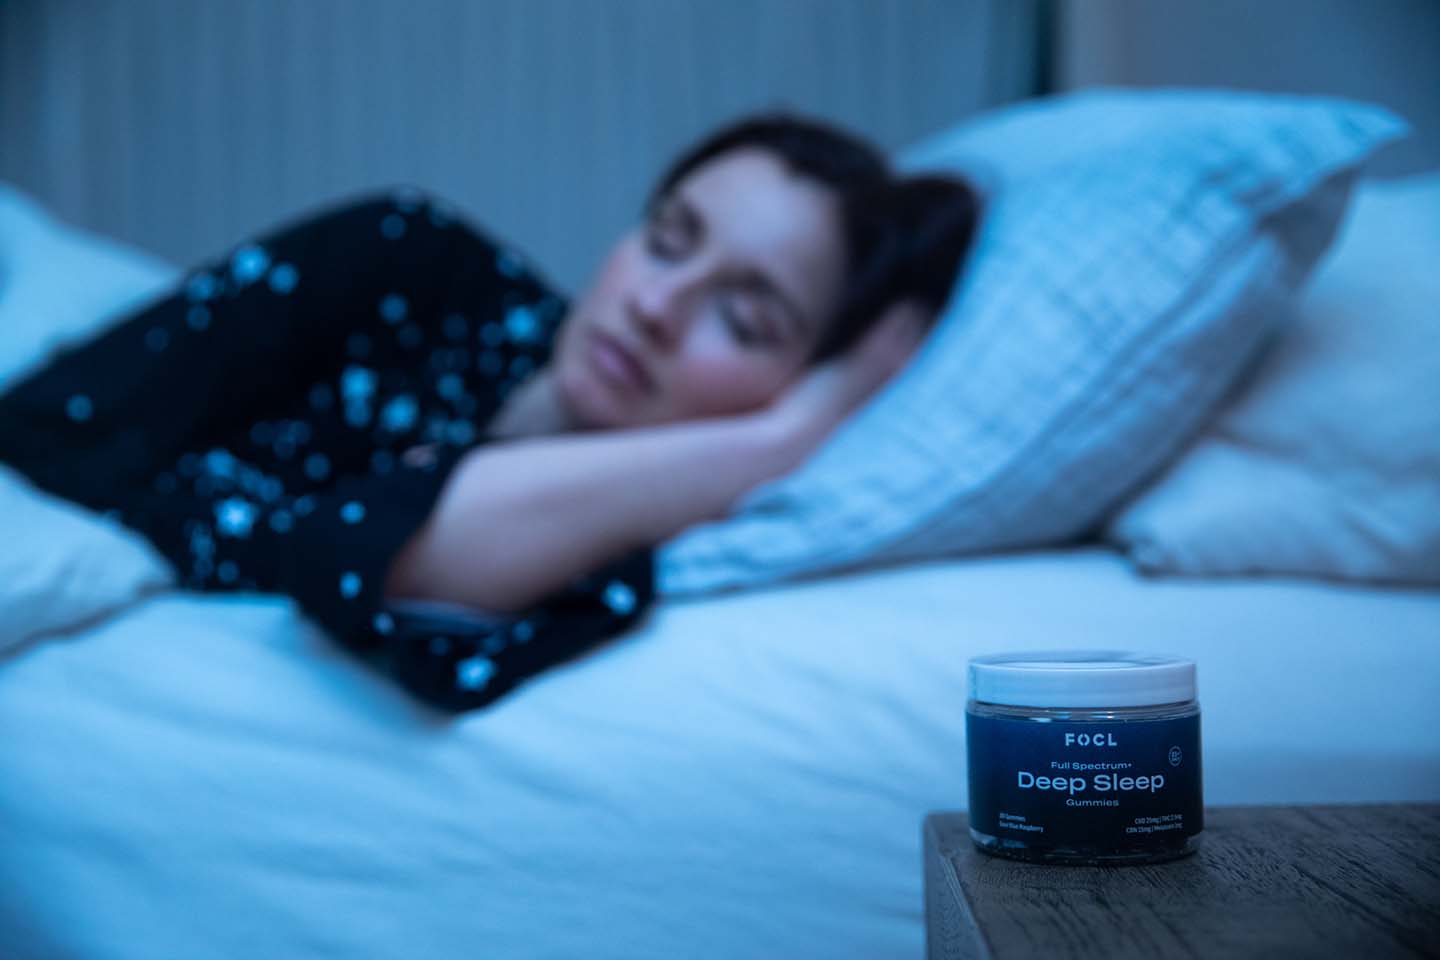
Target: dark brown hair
[{"x": 905, "y": 237}]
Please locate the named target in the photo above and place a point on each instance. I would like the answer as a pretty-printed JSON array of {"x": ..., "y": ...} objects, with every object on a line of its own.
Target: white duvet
[{"x": 742, "y": 777}]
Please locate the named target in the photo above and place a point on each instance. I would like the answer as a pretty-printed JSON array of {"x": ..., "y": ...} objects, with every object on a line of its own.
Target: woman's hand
[{"x": 816, "y": 404}]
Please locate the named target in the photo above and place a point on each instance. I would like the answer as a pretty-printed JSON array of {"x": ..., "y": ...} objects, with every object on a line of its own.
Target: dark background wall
[{"x": 183, "y": 125}]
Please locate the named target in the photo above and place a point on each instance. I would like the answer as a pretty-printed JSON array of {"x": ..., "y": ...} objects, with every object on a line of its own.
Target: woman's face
[{"x": 710, "y": 307}]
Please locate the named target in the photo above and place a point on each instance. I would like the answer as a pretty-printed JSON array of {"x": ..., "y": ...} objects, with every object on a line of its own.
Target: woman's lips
[{"x": 618, "y": 364}]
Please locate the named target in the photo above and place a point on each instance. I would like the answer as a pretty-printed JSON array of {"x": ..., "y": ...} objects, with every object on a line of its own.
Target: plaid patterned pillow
[{"x": 1134, "y": 251}]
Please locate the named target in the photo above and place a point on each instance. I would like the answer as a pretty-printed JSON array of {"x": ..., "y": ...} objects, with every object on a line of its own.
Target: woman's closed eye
[
  {"x": 742, "y": 317},
  {"x": 667, "y": 234},
  {"x": 671, "y": 234},
  {"x": 663, "y": 243}
]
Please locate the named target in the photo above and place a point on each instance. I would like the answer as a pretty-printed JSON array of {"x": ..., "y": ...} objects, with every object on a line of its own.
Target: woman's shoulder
[
  {"x": 406, "y": 209},
  {"x": 415, "y": 236},
  {"x": 396, "y": 213}
]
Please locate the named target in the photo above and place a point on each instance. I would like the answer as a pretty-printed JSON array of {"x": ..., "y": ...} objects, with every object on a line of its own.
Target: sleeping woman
[{"x": 391, "y": 417}]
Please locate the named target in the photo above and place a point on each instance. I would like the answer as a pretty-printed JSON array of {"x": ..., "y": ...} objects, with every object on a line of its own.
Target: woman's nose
[{"x": 657, "y": 307}]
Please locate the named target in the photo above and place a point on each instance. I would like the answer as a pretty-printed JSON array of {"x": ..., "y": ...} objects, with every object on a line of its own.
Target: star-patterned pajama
[{"x": 285, "y": 419}]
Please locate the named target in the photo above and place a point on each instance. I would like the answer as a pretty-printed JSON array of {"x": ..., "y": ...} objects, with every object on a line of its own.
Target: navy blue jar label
[{"x": 1093, "y": 786}]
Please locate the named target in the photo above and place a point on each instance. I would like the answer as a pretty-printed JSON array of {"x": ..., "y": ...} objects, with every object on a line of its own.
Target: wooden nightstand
[{"x": 1324, "y": 881}]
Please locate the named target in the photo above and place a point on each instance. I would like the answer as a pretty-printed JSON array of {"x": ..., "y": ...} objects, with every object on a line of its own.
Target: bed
[{"x": 744, "y": 776}]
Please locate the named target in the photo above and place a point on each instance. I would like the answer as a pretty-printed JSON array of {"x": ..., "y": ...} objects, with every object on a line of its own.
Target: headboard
[{"x": 1385, "y": 52}]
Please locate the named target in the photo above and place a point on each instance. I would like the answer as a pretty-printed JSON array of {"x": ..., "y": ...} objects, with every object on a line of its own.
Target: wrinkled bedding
[{"x": 743, "y": 776}]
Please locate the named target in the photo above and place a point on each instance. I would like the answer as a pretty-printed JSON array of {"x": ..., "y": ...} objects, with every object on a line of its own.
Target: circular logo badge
[{"x": 1175, "y": 756}]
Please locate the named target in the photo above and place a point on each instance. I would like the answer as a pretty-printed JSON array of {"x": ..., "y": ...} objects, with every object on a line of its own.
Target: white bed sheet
[{"x": 742, "y": 777}]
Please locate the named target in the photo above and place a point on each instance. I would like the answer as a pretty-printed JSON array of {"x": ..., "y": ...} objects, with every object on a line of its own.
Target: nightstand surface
[{"x": 1327, "y": 881}]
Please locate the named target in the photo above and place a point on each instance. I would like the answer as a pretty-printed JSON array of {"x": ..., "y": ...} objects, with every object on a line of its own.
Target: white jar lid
[{"x": 1081, "y": 678}]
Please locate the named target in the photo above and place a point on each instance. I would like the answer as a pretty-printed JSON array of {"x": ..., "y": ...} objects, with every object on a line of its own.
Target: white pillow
[
  {"x": 1328, "y": 463},
  {"x": 59, "y": 284},
  {"x": 1128, "y": 267},
  {"x": 63, "y": 565}
]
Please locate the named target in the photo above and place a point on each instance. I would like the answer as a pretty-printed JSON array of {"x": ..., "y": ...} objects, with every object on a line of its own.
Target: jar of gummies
[{"x": 1088, "y": 757}]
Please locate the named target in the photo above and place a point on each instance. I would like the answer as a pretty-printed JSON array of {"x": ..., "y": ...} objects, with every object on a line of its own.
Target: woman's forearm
[{"x": 519, "y": 520}]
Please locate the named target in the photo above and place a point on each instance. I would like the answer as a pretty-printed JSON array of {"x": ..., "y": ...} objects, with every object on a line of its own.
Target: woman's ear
[
  {"x": 907, "y": 322},
  {"x": 894, "y": 336}
]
